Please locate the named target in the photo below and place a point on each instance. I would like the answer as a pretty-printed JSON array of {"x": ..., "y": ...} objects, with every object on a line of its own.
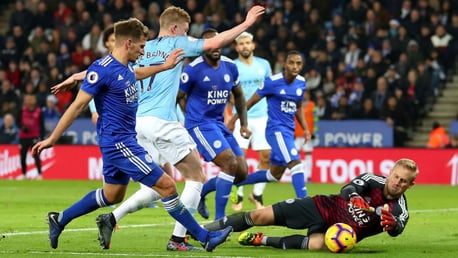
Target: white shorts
[
  {"x": 166, "y": 141},
  {"x": 257, "y": 141},
  {"x": 299, "y": 142}
]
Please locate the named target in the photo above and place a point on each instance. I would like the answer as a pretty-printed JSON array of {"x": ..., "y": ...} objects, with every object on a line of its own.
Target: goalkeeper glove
[
  {"x": 388, "y": 222},
  {"x": 359, "y": 202}
]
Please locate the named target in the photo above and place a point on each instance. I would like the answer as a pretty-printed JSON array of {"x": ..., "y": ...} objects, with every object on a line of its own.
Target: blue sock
[
  {"x": 92, "y": 201},
  {"x": 257, "y": 177},
  {"x": 298, "y": 178},
  {"x": 208, "y": 187},
  {"x": 223, "y": 190},
  {"x": 178, "y": 211}
]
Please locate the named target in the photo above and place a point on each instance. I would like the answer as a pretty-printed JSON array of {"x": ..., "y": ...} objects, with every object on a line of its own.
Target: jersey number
[{"x": 151, "y": 79}]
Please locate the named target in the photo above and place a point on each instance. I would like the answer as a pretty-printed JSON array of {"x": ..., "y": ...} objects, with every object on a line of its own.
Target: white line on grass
[{"x": 173, "y": 223}]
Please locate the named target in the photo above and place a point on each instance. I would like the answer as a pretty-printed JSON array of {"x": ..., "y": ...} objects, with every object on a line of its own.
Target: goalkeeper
[{"x": 370, "y": 204}]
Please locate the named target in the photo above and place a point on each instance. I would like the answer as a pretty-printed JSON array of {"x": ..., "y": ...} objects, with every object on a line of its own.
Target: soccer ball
[{"x": 340, "y": 238}]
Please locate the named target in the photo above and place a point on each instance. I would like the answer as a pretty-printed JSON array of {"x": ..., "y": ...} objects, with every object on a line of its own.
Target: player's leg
[
  {"x": 24, "y": 145},
  {"x": 113, "y": 191},
  {"x": 259, "y": 143},
  {"x": 243, "y": 143}
]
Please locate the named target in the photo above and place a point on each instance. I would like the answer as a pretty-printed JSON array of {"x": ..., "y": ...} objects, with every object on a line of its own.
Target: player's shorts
[
  {"x": 166, "y": 141},
  {"x": 127, "y": 159},
  {"x": 299, "y": 213},
  {"x": 307, "y": 147},
  {"x": 212, "y": 139},
  {"x": 257, "y": 141},
  {"x": 283, "y": 148}
]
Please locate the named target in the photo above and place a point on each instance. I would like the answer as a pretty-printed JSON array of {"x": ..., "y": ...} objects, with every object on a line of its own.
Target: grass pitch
[{"x": 432, "y": 230}]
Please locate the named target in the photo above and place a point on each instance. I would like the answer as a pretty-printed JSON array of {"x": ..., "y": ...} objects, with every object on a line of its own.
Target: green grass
[{"x": 432, "y": 230}]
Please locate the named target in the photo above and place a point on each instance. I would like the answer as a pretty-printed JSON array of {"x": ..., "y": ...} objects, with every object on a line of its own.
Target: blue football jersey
[
  {"x": 112, "y": 85},
  {"x": 251, "y": 77},
  {"x": 157, "y": 94},
  {"x": 282, "y": 99},
  {"x": 208, "y": 90}
]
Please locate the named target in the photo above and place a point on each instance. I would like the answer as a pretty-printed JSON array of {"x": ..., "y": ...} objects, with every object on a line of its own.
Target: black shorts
[{"x": 299, "y": 214}]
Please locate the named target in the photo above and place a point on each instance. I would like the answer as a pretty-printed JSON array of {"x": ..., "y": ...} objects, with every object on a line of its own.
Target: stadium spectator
[
  {"x": 397, "y": 118},
  {"x": 366, "y": 111},
  {"x": 9, "y": 133},
  {"x": 31, "y": 130},
  {"x": 9, "y": 100},
  {"x": 323, "y": 109},
  {"x": 381, "y": 94},
  {"x": 377, "y": 201},
  {"x": 438, "y": 137},
  {"x": 43, "y": 17},
  {"x": 21, "y": 17},
  {"x": 453, "y": 142}
]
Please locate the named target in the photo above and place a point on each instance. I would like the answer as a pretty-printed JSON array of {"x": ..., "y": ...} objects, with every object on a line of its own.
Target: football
[{"x": 340, "y": 238}]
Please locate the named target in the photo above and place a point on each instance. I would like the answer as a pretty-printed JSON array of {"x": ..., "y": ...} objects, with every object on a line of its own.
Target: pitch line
[
  {"x": 173, "y": 223},
  {"x": 92, "y": 254}
]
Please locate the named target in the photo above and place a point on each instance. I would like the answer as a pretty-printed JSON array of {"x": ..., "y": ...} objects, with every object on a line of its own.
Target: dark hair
[
  {"x": 107, "y": 33},
  {"x": 208, "y": 30}
]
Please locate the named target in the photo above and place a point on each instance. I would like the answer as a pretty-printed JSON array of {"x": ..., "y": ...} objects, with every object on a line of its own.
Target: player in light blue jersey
[
  {"x": 111, "y": 82},
  {"x": 158, "y": 130},
  {"x": 284, "y": 93},
  {"x": 253, "y": 71},
  {"x": 205, "y": 89}
]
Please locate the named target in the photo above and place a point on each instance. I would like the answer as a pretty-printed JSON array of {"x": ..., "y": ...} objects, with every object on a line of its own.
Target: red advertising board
[{"x": 330, "y": 165}]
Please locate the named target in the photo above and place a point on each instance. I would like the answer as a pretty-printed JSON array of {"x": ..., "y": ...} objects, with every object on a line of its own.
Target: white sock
[
  {"x": 139, "y": 200},
  {"x": 258, "y": 188},
  {"x": 308, "y": 166},
  {"x": 240, "y": 191},
  {"x": 190, "y": 198}
]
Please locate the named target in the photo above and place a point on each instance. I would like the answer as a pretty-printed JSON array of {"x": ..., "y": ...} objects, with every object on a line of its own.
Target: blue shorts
[
  {"x": 283, "y": 148},
  {"x": 127, "y": 159},
  {"x": 213, "y": 138}
]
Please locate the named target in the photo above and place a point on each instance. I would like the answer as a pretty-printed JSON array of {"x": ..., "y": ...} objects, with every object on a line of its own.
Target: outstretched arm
[
  {"x": 69, "y": 83},
  {"x": 73, "y": 111},
  {"x": 228, "y": 36},
  {"x": 172, "y": 60}
]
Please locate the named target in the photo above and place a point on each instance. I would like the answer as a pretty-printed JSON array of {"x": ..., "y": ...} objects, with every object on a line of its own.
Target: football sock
[
  {"x": 239, "y": 221},
  {"x": 258, "y": 177},
  {"x": 140, "y": 199},
  {"x": 288, "y": 242},
  {"x": 208, "y": 187},
  {"x": 92, "y": 201},
  {"x": 223, "y": 190},
  {"x": 190, "y": 198},
  {"x": 297, "y": 177},
  {"x": 258, "y": 188},
  {"x": 176, "y": 209}
]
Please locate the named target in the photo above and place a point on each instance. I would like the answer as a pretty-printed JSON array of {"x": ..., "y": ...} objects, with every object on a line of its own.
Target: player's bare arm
[
  {"x": 240, "y": 106},
  {"x": 174, "y": 58},
  {"x": 251, "y": 102},
  {"x": 301, "y": 119},
  {"x": 73, "y": 111},
  {"x": 228, "y": 36},
  {"x": 69, "y": 83},
  {"x": 181, "y": 100}
]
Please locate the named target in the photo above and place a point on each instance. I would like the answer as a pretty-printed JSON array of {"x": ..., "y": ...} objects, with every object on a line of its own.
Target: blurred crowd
[{"x": 375, "y": 59}]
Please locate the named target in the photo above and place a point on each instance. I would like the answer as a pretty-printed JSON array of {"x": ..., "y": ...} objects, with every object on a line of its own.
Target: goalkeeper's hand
[
  {"x": 388, "y": 222},
  {"x": 359, "y": 202}
]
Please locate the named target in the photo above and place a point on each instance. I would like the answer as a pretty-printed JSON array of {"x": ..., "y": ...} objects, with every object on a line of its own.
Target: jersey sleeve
[
  {"x": 360, "y": 185},
  {"x": 268, "y": 68},
  {"x": 401, "y": 215},
  {"x": 192, "y": 46},
  {"x": 265, "y": 88},
  {"x": 95, "y": 79},
  {"x": 186, "y": 79},
  {"x": 235, "y": 75}
]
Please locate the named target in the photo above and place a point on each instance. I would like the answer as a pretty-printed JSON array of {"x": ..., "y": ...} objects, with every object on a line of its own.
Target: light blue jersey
[
  {"x": 112, "y": 85},
  {"x": 251, "y": 77},
  {"x": 157, "y": 94},
  {"x": 282, "y": 99},
  {"x": 208, "y": 90}
]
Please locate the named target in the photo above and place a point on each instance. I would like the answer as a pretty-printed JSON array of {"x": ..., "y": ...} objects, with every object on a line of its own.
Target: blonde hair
[
  {"x": 244, "y": 35},
  {"x": 132, "y": 27},
  {"x": 409, "y": 165},
  {"x": 173, "y": 15}
]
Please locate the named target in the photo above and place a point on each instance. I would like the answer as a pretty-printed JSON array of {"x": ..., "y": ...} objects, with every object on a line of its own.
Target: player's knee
[
  {"x": 316, "y": 242},
  {"x": 166, "y": 187}
]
